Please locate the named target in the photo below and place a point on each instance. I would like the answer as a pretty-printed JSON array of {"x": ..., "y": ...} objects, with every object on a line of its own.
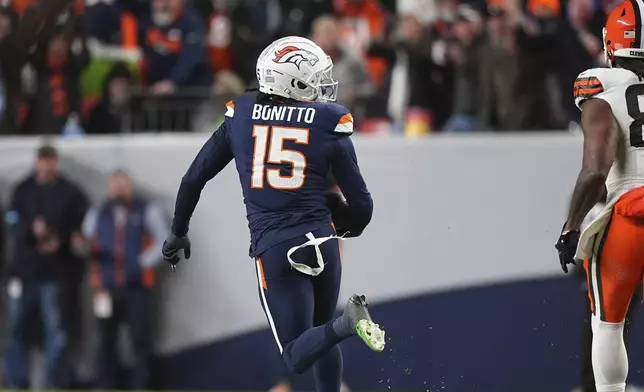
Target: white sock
[{"x": 610, "y": 361}]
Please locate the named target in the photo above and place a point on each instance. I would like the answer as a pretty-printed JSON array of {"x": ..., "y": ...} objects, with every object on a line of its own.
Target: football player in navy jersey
[{"x": 285, "y": 138}]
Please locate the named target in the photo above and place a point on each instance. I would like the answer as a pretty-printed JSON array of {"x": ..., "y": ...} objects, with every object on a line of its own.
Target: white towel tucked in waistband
[{"x": 316, "y": 242}]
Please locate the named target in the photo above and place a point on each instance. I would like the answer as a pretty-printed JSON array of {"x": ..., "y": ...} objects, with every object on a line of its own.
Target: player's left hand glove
[
  {"x": 567, "y": 247},
  {"x": 339, "y": 212},
  {"x": 172, "y": 246}
]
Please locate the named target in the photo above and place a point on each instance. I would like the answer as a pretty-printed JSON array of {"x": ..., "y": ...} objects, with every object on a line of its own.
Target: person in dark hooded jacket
[
  {"x": 36, "y": 24},
  {"x": 107, "y": 115},
  {"x": 59, "y": 63}
]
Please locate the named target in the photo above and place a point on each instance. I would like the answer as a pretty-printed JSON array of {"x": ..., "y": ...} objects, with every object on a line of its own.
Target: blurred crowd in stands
[{"x": 414, "y": 66}]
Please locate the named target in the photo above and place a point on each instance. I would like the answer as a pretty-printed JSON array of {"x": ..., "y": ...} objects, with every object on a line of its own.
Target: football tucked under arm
[
  {"x": 352, "y": 215},
  {"x": 340, "y": 214}
]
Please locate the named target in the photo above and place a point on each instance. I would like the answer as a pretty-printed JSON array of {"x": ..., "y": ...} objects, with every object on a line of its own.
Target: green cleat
[{"x": 365, "y": 328}]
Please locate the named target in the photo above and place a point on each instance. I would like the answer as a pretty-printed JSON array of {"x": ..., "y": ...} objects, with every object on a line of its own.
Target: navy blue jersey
[{"x": 284, "y": 152}]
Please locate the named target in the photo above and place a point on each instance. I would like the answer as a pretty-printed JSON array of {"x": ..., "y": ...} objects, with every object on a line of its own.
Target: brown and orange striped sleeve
[{"x": 587, "y": 87}]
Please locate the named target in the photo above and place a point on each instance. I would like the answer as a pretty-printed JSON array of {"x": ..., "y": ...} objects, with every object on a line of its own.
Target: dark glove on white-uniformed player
[
  {"x": 172, "y": 246},
  {"x": 567, "y": 247}
]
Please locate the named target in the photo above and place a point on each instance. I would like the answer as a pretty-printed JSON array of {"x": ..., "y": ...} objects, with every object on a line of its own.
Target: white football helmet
[{"x": 296, "y": 68}]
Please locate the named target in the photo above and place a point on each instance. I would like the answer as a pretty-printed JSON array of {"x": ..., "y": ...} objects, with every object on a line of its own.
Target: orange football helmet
[{"x": 623, "y": 34}]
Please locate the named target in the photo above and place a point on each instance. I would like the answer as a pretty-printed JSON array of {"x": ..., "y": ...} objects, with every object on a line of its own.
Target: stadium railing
[{"x": 188, "y": 109}]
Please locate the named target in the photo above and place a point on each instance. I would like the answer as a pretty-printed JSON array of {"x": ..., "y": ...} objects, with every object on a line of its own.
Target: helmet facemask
[
  {"x": 327, "y": 85},
  {"x": 320, "y": 86}
]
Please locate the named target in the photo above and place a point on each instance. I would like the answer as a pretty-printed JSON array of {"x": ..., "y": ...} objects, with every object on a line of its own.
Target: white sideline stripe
[{"x": 266, "y": 309}]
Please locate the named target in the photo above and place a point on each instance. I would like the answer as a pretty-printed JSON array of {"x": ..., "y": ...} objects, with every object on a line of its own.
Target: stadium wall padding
[{"x": 458, "y": 262}]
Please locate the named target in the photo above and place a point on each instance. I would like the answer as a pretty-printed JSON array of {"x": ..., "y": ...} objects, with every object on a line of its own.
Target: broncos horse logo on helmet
[
  {"x": 296, "y": 68},
  {"x": 295, "y": 55}
]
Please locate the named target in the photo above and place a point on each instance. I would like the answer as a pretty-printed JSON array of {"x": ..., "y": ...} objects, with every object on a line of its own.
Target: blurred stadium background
[{"x": 466, "y": 136}]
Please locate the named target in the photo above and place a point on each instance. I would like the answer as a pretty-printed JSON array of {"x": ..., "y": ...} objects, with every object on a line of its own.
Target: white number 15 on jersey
[{"x": 274, "y": 137}]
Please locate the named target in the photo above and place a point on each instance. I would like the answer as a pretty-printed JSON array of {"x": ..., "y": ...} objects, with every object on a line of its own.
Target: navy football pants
[{"x": 300, "y": 308}]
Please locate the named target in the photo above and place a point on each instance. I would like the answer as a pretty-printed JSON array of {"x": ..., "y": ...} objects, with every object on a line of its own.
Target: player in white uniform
[{"x": 612, "y": 246}]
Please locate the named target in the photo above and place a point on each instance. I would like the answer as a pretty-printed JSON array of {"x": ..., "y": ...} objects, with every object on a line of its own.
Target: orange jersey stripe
[
  {"x": 594, "y": 89},
  {"x": 347, "y": 118},
  {"x": 587, "y": 87},
  {"x": 587, "y": 78},
  {"x": 261, "y": 273},
  {"x": 587, "y": 92}
]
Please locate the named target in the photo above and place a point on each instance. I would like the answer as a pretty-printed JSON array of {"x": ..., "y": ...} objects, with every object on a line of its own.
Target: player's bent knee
[
  {"x": 296, "y": 369},
  {"x": 295, "y": 366},
  {"x": 297, "y": 363}
]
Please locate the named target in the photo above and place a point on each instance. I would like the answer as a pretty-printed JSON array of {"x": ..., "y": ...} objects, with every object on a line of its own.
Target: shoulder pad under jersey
[
  {"x": 241, "y": 100},
  {"x": 598, "y": 82},
  {"x": 343, "y": 120},
  {"x": 230, "y": 109}
]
